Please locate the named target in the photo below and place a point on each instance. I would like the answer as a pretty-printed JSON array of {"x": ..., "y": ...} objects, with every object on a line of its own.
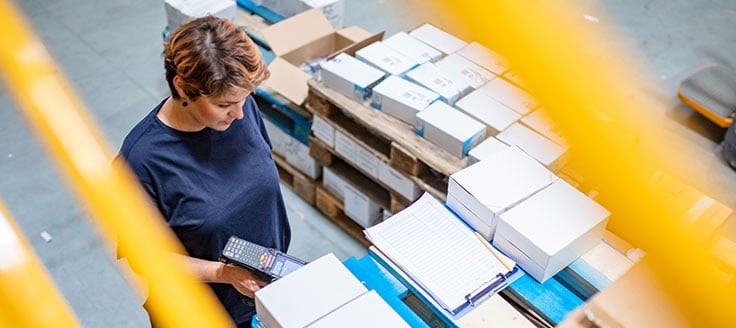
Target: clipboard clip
[{"x": 484, "y": 291}]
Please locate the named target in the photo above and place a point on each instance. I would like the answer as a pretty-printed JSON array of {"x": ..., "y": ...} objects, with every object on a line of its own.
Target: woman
[{"x": 205, "y": 159}]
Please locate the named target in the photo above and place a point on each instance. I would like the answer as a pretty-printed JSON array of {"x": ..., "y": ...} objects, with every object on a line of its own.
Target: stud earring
[{"x": 184, "y": 103}]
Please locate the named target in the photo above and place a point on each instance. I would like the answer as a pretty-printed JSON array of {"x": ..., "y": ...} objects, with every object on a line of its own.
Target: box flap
[
  {"x": 288, "y": 80},
  {"x": 352, "y": 48},
  {"x": 297, "y": 31},
  {"x": 354, "y": 33}
]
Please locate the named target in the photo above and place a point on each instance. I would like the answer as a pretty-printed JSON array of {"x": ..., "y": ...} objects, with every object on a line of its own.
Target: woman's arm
[{"x": 218, "y": 272}]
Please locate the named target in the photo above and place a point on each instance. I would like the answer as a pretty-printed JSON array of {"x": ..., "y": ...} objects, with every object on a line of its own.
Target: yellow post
[
  {"x": 115, "y": 200},
  {"x": 550, "y": 48},
  {"x": 28, "y": 297}
]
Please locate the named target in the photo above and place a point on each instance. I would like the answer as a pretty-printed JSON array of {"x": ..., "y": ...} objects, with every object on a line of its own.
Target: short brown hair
[{"x": 212, "y": 55}]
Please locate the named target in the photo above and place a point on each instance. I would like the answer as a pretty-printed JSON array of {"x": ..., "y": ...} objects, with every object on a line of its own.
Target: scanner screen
[{"x": 283, "y": 265}]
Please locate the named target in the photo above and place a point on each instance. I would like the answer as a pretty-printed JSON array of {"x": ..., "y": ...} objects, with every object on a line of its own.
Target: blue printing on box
[
  {"x": 375, "y": 277},
  {"x": 260, "y": 11},
  {"x": 471, "y": 142},
  {"x": 300, "y": 126}
]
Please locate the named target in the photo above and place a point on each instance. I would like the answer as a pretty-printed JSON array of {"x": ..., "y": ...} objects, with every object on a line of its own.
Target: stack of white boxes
[
  {"x": 301, "y": 299},
  {"x": 549, "y": 230},
  {"x": 386, "y": 59},
  {"x": 537, "y": 146},
  {"x": 483, "y": 191},
  {"x": 351, "y": 77},
  {"x": 180, "y": 11},
  {"x": 402, "y": 99}
]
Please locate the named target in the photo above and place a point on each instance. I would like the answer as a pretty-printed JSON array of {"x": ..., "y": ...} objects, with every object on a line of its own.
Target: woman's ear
[{"x": 178, "y": 85}]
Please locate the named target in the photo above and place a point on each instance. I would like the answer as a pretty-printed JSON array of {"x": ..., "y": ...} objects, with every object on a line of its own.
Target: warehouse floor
[{"x": 110, "y": 52}]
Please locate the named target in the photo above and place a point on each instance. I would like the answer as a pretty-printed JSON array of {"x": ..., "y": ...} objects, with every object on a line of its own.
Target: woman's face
[{"x": 218, "y": 112}]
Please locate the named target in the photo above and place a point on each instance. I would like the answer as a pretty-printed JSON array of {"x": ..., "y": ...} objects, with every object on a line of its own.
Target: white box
[
  {"x": 484, "y": 57},
  {"x": 361, "y": 208},
  {"x": 398, "y": 182},
  {"x": 302, "y": 297},
  {"x": 334, "y": 10},
  {"x": 402, "y": 99},
  {"x": 412, "y": 48},
  {"x": 546, "y": 151},
  {"x": 351, "y": 77},
  {"x": 461, "y": 69},
  {"x": 438, "y": 39},
  {"x": 356, "y": 154},
  {"x": 489, "y": 147},
  {"x": 481, "y": 192},
  {"x": 539, "y": 121},
  {"x": 334, "y": 183},
  {"x": 450, "y": 129},
  {"x": 323, "y": 131},
  {"x": 510, "y": 95},
  {"x": 297, "y": 154},
  {"x": 431, "y": 77},
  {"x": 549, "y": 230},
  {"x": 367, "y": 311},
  {"x": 385, "y": 58},
  {"x": 279, "y": 138},
  {"x": 495, "y": 115},
  {"x": 180, "y": 11}
]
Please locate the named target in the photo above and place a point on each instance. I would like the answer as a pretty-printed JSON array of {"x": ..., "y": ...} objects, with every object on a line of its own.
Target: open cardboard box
[{"x": 302, "y": 38}]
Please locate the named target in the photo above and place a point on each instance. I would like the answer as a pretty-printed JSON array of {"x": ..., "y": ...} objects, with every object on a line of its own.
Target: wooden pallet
[
  {"x": 327, "y": 156},
  {"x": 300, "y": 183},
  {"x": 332, "y": 207},
  {"x": 392, "y": 140}
]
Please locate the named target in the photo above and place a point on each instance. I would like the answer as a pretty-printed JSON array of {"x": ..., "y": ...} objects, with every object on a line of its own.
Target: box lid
[
  {"x": 451, "y": 121},
  {"x": 484, "y": 57},
  {"x": 542, "y": 149},
  {"x": 510, "y": 95},
  {"x": 290, "y": 81},
  {"x": 540, "y": 121},
  {"x": 296, "y": 31},
  {"x": 551, "y": 219},
  {"x": 406, "y": 92},
  {"x": 489, "y": 147},
  {"x": 504, "y": 179},
  {"x": 487, "y": 110}
]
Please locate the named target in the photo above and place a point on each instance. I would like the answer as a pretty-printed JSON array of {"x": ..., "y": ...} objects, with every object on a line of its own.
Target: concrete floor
[{"x": 110, "y": 52}]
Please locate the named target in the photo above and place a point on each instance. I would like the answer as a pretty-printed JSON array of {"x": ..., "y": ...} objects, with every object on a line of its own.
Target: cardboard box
[
  {"x": 334, "y": 183},
  {"x": 515, "y": 78},
  {"x": 550, "y": 229},
  {"x": 367, "y": 311},
  {"x": 510, "y": 95},
  {"x": 484, "y": 57},
  {"x": 402, "y": 99},
  {"x": 546, "y": 151},
  {"x": 356, "y": 154},
  {"x": 361, "y": 208},
  {"x": 540, "y": 122},
  {"x": 412, "y": 48},
  {"x": 636, "y": 299},
  {"x": 334, "y": 10},
  {"x": 432, "y": 78},
  {"x": 301, "y": 298},
  {"x": 483, "y": 191},
  {"x": 279, "y": 138},
  {"x": 495, "y": 115},
  {"x": 297, "y": 154},
  {"x": 398, "y": 182},
  {"x": 323, "y": 131},
  {"x": 461, "y": 69},
  {"x": 351, "y": 77},
  {"x": 489, "y": 147},
  {"x": 450, "y": 129},
  {"x": 302, "y": 38},
  {"x": 386, "y": 59},
  {"x": 438, "y": 39},
  {"x": 180, "y": 11}
]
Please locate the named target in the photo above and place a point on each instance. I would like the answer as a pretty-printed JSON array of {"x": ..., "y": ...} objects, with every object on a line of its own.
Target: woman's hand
[{"x": 243, "y": 280}]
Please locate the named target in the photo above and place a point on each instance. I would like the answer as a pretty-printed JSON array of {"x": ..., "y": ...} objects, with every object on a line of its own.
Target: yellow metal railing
[
  {"x": 38, "y": 304},
  {"x": 548, "y": 45},
  {"x": 114, "y": 199}
]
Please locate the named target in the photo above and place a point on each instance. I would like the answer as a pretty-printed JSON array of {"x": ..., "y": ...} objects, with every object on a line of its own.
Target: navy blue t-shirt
[{"x": 210, "y": 185}]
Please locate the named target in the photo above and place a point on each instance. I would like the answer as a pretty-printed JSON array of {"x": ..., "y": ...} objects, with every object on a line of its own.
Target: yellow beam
[
  {"x": 28, "y": 297},
  {"x": 551, "y": 48},
  {"x": 120, "y": 207}
]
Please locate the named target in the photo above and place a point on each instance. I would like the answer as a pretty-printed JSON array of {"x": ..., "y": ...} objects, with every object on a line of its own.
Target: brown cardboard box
[
  {"x": 302, "y": 38},
  {"x": 636, "y": 299}
]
